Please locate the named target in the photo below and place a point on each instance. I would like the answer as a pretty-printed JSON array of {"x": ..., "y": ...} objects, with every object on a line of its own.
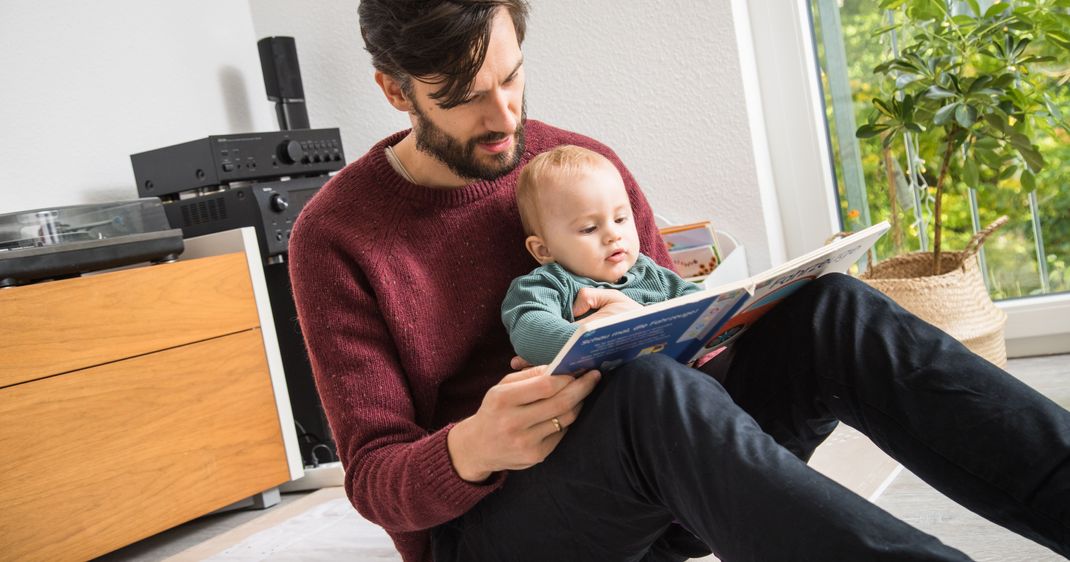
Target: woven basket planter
[{"x": 956, "y": 300}]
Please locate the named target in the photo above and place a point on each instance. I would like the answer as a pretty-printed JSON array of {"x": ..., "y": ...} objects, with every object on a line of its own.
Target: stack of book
[{"x": 693, "y": 249}]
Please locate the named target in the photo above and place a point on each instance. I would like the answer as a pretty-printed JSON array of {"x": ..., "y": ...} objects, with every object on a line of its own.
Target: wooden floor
[{"x": 321, "y": 526}]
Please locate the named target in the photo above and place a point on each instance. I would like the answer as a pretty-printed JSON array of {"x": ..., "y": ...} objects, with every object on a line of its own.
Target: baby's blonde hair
[{"x": 562, "y": 161}]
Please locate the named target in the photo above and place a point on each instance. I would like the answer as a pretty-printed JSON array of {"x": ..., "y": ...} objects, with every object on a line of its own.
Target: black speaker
[{"x": 282, "y": 81}]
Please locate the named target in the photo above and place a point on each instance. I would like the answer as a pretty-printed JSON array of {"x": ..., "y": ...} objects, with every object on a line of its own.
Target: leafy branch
[{"x": 967, "y": 76}]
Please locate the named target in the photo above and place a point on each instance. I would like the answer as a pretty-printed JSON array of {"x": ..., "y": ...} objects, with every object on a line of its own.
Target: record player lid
[
  {"x": 67, "y": 241},
  {"x": 79, "y": 223}
]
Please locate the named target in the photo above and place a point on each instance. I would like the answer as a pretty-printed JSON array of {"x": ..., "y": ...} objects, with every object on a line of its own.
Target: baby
[{"x": 578, "y": 220}]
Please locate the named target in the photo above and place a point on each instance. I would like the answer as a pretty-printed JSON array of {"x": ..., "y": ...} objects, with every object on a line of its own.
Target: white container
[{"x": 733, "y": 266}]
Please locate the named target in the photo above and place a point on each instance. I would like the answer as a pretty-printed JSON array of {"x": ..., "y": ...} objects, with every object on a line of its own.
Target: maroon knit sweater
[{"x": 398, "y": 289}]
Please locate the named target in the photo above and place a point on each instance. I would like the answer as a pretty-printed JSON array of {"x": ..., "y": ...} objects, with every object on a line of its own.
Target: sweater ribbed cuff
[{"x": 451, "y": 489}]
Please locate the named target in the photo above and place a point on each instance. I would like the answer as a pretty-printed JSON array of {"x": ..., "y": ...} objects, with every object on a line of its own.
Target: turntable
[{"x": 64, "y": 242}]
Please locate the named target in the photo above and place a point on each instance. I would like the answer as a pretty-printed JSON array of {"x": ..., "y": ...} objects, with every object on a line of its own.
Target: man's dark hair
[{"x": 436, "y": 42}]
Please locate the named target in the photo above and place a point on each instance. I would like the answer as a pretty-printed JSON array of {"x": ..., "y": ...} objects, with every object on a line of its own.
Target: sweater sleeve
[
  {"x": 397, "y": 474},
  {"x": 532, "y": 314}
]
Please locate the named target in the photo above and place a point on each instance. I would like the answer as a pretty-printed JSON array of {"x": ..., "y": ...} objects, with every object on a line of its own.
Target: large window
[{"x": 1030, "y": 256}]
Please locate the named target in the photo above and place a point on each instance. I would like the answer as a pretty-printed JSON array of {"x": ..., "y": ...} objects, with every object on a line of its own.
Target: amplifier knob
[
  {"x": 279, "y": 203},
  {"x": 290, "y": 152}
]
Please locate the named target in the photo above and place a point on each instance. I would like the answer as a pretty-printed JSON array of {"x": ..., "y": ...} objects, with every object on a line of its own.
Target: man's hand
[
  {"x": 606, "y": 302},
  {"x": 513, "y": 428}
]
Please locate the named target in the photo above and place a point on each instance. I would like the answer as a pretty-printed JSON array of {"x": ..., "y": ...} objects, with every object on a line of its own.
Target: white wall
[
  {"x": 659, "y": 82},
  {"x": 86, "y": 84}
]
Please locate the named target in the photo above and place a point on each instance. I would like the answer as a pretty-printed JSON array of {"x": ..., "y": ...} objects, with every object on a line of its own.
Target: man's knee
[
  {"x": 839, "y": 296},
  {"x": 655, "y": 378},
  {"x": 661, "y": 401},
  {"x": 647, "y": 369},
  {"x": 843, "y": 284}
]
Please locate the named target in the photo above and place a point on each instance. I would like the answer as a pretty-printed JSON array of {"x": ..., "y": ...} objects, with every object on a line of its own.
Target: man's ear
[
  {"x": 538, "y": 250},
  {"x": 393, "y": 91}
]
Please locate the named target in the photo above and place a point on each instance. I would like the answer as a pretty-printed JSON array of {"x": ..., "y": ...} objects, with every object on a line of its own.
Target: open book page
[
  {"x": 688, "y": 327},
  {"x": 770, "y": 287}
]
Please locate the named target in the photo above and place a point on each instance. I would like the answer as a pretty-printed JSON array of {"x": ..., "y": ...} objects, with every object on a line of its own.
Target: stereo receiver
[{"x": 225, "y": 159}]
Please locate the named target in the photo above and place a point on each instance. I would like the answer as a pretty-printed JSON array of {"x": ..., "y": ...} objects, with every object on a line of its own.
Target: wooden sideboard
[{"x": 135, "y": 400}]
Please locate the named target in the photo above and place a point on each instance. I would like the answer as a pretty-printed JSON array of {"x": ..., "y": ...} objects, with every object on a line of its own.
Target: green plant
[{"x": 969, "y": 75}]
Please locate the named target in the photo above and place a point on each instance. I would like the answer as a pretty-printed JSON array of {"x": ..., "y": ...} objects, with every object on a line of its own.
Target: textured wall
[
  {"x": 660, "y": 82},
  {"x": 86, "y": 84}
]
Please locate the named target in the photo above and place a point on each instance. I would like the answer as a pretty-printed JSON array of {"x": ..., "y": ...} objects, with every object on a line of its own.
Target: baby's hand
[
  {"x": 518, "y": 363},
  {"x": 606, "y": 302}
]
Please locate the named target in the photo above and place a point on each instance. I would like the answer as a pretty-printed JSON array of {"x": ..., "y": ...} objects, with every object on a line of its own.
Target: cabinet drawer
[
  {"x": 96, "y": 459},
  {"x": 61, "y": 326}
]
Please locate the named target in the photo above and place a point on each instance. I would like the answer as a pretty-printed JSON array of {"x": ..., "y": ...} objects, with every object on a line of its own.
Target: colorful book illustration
[
  {"x": 689, "y": 327},
  {"x": 693, "y": 249}
]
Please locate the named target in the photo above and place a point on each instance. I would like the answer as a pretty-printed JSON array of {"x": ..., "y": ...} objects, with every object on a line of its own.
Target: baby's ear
[{"x": 538, "y": 250}]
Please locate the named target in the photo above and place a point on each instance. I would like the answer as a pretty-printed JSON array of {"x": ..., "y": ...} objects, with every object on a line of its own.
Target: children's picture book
[
  {"x": 692, "y": 248},
  {"x": 689, "y": 327}
]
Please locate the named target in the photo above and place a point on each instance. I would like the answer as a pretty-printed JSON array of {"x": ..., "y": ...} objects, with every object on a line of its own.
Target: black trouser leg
[
  {"x": 842, "y": 350},
  {"x": 658, "y": 442}
]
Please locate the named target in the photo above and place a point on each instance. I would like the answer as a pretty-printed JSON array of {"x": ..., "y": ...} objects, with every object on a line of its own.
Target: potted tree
[{"x": 967, "y": 78}]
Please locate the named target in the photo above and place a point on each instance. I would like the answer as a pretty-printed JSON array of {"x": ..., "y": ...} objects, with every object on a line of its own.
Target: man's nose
[{"x": 501, "y": 117}]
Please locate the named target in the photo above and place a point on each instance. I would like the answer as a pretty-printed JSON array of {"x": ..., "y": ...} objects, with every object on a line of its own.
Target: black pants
[{"x": 660, "y": 446}]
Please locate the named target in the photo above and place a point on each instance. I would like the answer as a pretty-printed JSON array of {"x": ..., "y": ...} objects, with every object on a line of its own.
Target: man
[{"x": 399, "y": 266}]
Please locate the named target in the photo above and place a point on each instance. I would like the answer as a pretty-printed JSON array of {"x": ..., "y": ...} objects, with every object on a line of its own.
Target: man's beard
[{"x": 460, "y": 157}]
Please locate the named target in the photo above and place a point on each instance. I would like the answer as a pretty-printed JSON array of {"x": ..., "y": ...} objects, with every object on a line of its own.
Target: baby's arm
[{"x": 534, "y": 312}]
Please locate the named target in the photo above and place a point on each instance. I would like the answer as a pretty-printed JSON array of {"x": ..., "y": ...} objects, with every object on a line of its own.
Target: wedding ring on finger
[{"x": 557, "y": 424}]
